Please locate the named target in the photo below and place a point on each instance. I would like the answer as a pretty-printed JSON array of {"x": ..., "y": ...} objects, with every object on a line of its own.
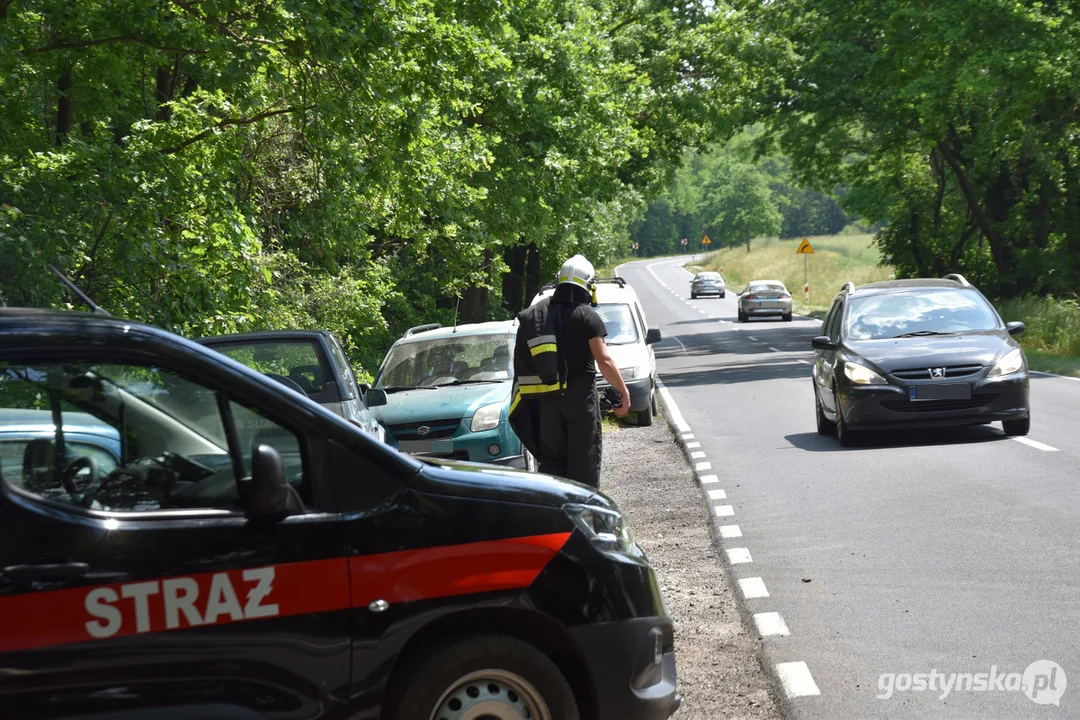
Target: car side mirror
[
  {"x": 1015, "y": 328},
  {"x": 364, "y": 387},
  {"x": 652, "y": 336},
  {"x": 374, "y": 397},
  {"x": 268, "y": 492},
  {"x": 823, "y": 342}
]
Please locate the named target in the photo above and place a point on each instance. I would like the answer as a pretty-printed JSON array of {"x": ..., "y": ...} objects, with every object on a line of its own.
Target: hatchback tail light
[
  {"x": 785, "y": 297},
  {"x": 751, "y": 297}
]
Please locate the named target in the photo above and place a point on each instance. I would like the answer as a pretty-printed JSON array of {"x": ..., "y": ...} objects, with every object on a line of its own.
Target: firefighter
[{"x": 560, "y": 346}]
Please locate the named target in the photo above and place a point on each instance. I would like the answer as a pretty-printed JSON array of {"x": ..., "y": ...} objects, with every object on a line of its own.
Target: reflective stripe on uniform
[
  {"x": 541, "y": 340},
  {"x": 531, "y": 385},
  {"x": 547, "y": 347}
]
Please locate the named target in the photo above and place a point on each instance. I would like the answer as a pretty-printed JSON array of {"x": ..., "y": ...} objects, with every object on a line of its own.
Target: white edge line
[
  {"x": 753, "y": 587},
  {"x": 1036, "y": 444},
  {"x": 680, "y": 423},
  {"x": 692, "y": 445},
  {"x": 770, "y": 623},
  {"x": 717, "y": 494},
  {"x": 1041, "y": 373},
  {"x": 708, "y": 479},
  {"x": 739, "y": 556},
  {"x": 730, "y": 531},
  {"x": 796, "y": 679},
  {"x": 697, "y": 455},
  {"x": 703, "y": 466},
  {"x": 724, "y": 510}
]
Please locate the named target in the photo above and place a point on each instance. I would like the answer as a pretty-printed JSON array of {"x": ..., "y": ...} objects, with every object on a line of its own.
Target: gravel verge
[{"x": 719, "y": 672}]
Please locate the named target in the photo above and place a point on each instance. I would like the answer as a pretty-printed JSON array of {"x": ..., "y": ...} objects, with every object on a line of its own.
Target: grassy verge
[
  {"x": 1052, "y": 337},
  {"x": 836, "y": 260}
]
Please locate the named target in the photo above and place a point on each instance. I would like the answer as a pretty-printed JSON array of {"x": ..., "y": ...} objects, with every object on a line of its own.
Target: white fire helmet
[{"x": 578, "y": 271}]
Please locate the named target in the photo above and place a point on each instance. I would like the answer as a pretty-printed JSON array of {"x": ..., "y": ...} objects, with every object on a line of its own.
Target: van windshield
[{"x": 619, "y": 321}]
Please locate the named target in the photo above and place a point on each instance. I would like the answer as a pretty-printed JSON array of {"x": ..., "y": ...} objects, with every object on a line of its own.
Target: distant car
[
  {"x": 707, "y": 283},
  {"x": 910, "y": 353},
  {"x": 310, "y": 362},
  {"x": 765, "y": 298},
  {"x": 448, "y": 393},
  {"x": 629, "y": 340}
]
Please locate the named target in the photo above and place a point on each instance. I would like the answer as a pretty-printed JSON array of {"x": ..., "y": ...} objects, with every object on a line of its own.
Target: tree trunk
[
  {"x": 475, "y": 301},
  {"x": 748, "y": 239},
  {"x": 532, "y": 272},
  {"x": 65, "y": 109},
  {"x": 514, "y": 280},
  {"x": 163, "y": 93}
]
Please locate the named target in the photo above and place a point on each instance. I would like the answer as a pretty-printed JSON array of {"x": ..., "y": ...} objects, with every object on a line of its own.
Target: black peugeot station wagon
[
  {"x": 917, "y": 353},
  {"x": 251, "y": 555}
]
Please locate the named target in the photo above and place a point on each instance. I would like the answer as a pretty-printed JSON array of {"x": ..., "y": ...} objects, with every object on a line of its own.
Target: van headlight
[
  {"x": 1009, "y": 363},
  {"x": 607, "y": 529},
  {"x": 486, "y": 417},
  {"x": 862, "y": 375},
  {"x": 628, "y": 373}
]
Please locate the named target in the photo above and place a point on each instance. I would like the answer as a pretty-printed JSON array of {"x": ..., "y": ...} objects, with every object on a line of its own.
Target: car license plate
[
  {"x": 947, "y": 391},
  {"x": 426, "y": 446}
]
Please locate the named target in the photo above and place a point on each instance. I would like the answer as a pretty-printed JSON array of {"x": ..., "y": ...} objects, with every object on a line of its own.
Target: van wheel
[
  {"x": 644, "y": 417},
  {"x": 488, "y": 676},
  {"x": 652, "y": 402}
]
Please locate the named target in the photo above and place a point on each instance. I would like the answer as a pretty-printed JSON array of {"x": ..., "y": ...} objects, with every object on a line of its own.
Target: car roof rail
[
  {"x": 614, "y": 279},
  {"x": 849, "y": 286},
  {"x": 958, "y": 278},
  {"x": 422, "y": 328}
]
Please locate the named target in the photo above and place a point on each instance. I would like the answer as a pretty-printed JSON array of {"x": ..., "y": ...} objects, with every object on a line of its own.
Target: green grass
[
  {"x": 836, "y": 260},
  {"x": 1051, "y": 339}
]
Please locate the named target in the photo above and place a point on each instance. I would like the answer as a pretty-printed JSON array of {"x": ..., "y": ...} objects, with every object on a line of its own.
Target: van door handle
[{"x": 45, "y": 572}]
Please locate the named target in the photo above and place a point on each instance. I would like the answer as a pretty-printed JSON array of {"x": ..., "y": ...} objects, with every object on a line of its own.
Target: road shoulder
[{"x": 720, "y": 674}]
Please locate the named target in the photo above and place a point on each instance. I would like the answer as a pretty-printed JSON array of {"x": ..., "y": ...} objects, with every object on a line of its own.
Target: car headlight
[
  {"x": 607, "y": 529},
  {"x": 1009, "y": 363},
  {"x": 486, "y": 418},
  {"x": 862, "y": 375},
  {"x": 629, "y": 373}
]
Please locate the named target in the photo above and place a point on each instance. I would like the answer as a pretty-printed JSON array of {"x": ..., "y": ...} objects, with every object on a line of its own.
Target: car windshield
[
  {"x": 927, "y": 312},
  {"x": 619, "y": 322},
  {"x": 297, "y": 360},
  {"x": 448, "y": 360}
]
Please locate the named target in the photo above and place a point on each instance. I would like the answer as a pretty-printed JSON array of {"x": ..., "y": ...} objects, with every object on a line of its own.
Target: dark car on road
[
  {"x": 917, "y": 353},
  {"x": 247, "y": 553}
]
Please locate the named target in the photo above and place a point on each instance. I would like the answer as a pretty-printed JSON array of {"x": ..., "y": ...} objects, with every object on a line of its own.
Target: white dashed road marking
[
  {"x": 796, "y": 679},
  {"x": 751, "y": 337},
  {"x": 753, "y": 587},
  {"x": 688, "y": 436},
  {"x": 703, "y": 466},
  {"x": 739, "y": 556},
  {"x": 697, "y": 455},
  {"x": 774, "y": 349},
  {"x": 717, "y": 495},
  {"x": 724, "y": 510},
  {"x": 770, "y": 623},
  {"x": 730, "y": 531},
  {"x": 692, "y": 445},
  {"x": 1036, "y": 444},
  {"x": 708, "y": 479}
]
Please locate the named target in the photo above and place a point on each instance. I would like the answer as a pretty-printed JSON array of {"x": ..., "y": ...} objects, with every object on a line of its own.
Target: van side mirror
[
  {"x": 1015, "y": 328},
  {"x": 823, "y": 342},
  {"x": 375, "y": 397},
  {"x": 652, "y": 336},
  {"x": 268, "y": 494}
]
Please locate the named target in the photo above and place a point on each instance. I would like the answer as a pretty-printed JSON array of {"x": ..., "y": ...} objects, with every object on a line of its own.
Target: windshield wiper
[
  {"x": 468, "y": 382},
  {"x": 403, "y": 388},
  {"x": 922, "y": 333}
]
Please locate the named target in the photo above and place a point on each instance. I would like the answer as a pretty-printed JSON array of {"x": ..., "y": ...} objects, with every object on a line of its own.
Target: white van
[{"x": 629, "y": 340}]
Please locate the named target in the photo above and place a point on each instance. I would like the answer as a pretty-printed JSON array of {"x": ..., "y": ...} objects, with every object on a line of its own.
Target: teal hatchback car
[{"x": 448, "y": 394}]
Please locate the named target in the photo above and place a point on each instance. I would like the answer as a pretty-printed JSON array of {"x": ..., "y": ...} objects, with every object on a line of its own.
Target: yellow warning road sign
[
  {"x": 805, "y": 248},
  {"x": 706, "y": 241}
]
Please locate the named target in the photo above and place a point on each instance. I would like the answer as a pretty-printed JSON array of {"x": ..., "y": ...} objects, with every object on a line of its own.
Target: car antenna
[{"x": 81, "y": 295}]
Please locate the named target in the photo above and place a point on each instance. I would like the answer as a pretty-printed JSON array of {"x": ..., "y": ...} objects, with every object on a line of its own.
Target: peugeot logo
[
  {"x": 937, "y": 372},
  {"x": 423, "y": 430}
]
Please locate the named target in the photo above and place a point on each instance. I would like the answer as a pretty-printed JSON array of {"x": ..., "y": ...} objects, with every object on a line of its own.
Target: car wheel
[
  {"x": 1013, "y": 428},
  {"x": 693, "y": 296},
  {"x": 742, "y": 316},
  {"x": 787, "y": 318},
  {"x": 644, "y": 417},
  {"x": 494, "y": 676},
  {"x": 844, "y": 436},
  {"x": 825, "y": 426},
  {"x": 723, "y": 295}
]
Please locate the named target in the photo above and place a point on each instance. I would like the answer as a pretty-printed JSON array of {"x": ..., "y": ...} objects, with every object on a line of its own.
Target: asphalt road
[{"x": 949, "y": 551}]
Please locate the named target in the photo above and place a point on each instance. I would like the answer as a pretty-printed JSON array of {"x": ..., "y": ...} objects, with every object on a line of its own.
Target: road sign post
[
  {"x": 683, "y": 243},
  {"x": 805, "y": 249},
  {"x": 635, "y": 247}
]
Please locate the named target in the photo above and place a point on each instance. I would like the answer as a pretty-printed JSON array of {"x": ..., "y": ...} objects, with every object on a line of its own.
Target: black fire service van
[{"x": 183, "y": 537}]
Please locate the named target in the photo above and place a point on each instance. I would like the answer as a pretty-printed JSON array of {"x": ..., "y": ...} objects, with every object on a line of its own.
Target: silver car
[
  {"x": 707, "y": 283},
  {"x": 765, "y": 298}
]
